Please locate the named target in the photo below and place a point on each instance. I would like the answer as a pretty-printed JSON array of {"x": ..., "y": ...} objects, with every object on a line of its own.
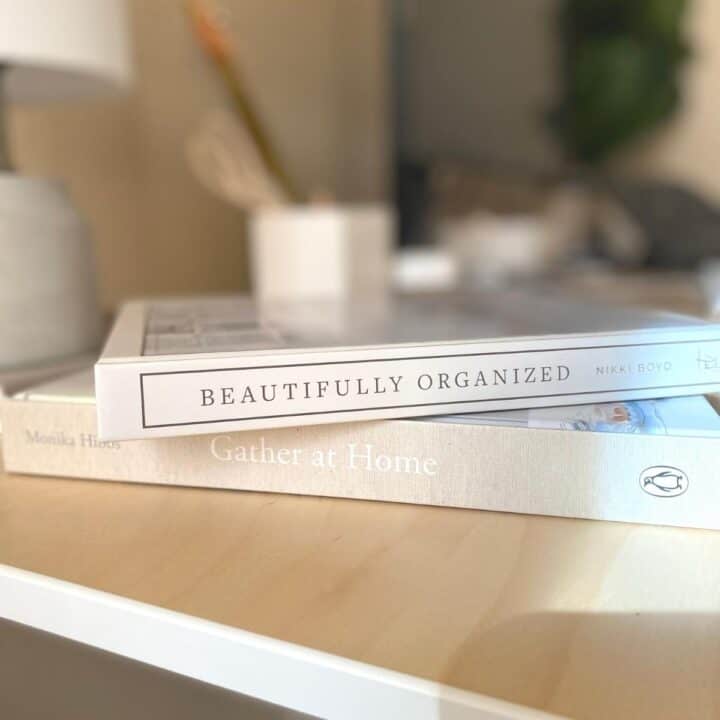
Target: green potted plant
[{"x": 621, "y": 63}]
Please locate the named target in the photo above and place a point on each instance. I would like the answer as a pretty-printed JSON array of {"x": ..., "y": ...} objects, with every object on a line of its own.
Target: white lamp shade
[{"x": 63, "y": 49}]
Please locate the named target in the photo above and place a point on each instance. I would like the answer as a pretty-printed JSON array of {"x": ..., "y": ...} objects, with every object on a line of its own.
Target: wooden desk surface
[{"x": 586, "y": 619}]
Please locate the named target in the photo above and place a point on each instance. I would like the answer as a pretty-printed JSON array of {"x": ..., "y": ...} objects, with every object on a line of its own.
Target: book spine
[
  {"x": 550, "y": 472},
  {"x": 145, "y": 399}
]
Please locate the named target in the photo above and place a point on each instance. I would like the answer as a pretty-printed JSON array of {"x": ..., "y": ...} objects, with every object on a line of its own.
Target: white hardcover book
[
  {"x": 644, "y": 461},
  {"x": 183, "y": 367}
]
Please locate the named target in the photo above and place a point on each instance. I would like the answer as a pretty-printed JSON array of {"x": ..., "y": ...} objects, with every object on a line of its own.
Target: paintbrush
[
  {"x": 216, "y": 44},
  {"x": 225, "y": 159}
]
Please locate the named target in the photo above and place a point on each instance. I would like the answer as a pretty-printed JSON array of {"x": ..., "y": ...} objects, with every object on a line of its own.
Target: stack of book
[{"x": 502, "y": 401}]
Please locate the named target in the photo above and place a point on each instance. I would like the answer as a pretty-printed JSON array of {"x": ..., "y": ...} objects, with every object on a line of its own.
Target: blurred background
[{"x": 512, "y": 138}]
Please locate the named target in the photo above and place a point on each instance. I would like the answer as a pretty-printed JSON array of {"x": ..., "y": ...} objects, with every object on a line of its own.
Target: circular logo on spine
[{"x": 663, "y": 481}]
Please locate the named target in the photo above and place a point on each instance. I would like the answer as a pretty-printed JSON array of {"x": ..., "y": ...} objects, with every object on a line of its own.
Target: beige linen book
[
  {"x": 652, "y": 461},
  {"x": 190, "y": 366}
]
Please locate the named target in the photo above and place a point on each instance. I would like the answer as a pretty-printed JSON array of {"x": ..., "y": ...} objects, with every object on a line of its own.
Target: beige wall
[
  {"x": 688, "y": 149},
  {"x": 317, "y": 71}
]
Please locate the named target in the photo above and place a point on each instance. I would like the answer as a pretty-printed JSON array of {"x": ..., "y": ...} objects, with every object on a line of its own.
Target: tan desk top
[{"x": 586, "y": 619}]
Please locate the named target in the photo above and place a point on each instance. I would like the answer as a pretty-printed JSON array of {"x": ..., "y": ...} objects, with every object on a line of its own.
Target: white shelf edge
[{"x": 289, "y": 675}]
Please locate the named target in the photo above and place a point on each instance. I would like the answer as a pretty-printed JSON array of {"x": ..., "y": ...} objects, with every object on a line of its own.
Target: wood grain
[{"x": 586, "y": 619}]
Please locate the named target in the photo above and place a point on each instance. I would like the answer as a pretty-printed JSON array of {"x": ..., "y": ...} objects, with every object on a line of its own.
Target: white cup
[{"x": 308, "y": 252}]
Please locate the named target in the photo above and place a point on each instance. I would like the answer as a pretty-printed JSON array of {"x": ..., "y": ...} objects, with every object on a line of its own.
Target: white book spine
[
  {"x": 159, "y": 398},
  {"x": 603, "y": 476}
]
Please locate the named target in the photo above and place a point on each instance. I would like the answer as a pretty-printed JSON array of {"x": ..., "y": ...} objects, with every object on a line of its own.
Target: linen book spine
[
  {"x": 157, "y": 398},
  {"x": 550, "y": 472}
]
